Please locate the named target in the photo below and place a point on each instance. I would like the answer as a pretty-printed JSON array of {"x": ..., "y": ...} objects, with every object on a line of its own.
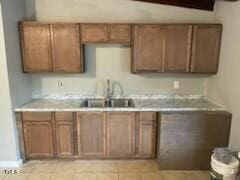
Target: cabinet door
[
  {"x": 36, "y": 47},
  {"x": 38, "y": 137},
  {"x": 148, "y": 48},
  {"x": 120, "y": 33},
  {"x": 206, "y": 48},
  {"x": 187, "y": 140},
  {"x": 66, "y": 48},
  {"x": 91, "y": 131},
  {"x": 147, "y": 134},
  {"x": 64, "y": 134},
  {"x": 178, "y": 48},
  {"x": 121, "y": 134},
  {"x": 94, "y": 33}
]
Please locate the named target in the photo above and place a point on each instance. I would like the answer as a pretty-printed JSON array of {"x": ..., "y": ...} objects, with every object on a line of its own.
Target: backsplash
[
  {"x": 113, "y": 62},
  {"x": 132, "y": 96}
]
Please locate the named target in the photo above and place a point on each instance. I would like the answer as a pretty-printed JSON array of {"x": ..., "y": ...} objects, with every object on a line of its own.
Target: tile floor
[{"x": 99, "y": 170}]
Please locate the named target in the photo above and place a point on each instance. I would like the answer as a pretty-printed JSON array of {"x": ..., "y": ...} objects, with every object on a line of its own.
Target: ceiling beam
[{"x": 196, "y": 4}]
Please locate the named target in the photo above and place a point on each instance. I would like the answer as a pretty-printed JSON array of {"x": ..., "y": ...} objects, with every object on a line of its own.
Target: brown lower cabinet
[
  {"x": 146, "y": 143},
  {"x": 64, "y": 132},
  {"x": 91, "y": 131},
  {"x": 121, "y": 130},
  {"x": 38, "y": 139},
  {"x": 187, "y": 139},
  {"x": 38, "y": 135},
  {"x": 89, "y": 135}
]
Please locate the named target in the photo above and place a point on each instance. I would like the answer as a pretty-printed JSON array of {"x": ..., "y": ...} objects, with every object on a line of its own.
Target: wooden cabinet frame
[
  {"x": 66, "y": 134},
  {"x": 127, "y": 34},
  {"x": 51, "y": 47},
  {"x": 64, "y": 126},
  {"x": 146, "y": 120},
  {"x": 131, "y": 138},
  {"x": 27, "y": 141},
  {"x": 44, "y": 53},
  {"x": 186, "y": 140},
  {"x": 106, "y": 33},
  {"x": 81, "y": 146}
]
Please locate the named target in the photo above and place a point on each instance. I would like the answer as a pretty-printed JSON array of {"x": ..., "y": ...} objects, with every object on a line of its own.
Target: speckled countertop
[{"x": 142, "y": 103}]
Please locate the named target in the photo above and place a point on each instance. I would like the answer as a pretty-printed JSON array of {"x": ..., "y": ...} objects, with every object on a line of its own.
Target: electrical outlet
[
  {"x": 60, "y": 84},
  {"x": 176, "y": 84}
]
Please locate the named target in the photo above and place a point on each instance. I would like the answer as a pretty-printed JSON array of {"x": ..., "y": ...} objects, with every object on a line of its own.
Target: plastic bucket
[{"x": 224, "y": 171}]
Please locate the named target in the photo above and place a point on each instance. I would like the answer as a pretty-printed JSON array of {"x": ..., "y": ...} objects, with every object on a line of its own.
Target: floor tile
[
  {"x": 147, "y": 166},
  {"x": 16, "y": 177},
  {"x": 197, "y": 175},
  {"x": 107, "y": 176},
  {"x": 27, "y": 168},
  {"x": 84, "y": 176},
  {"x": 65, "y": 166},
  {"x": 128, "y": 166},
  {"x": 87, "y": 167},
  {"x": 129, "y": 176},
  {"x": 108, "y": 167},
  {"x": 39, "y": 176},
  {"x": 45, "y": 167},
  {"x": 62, "y": 176},
  {"x": 151, "y": 176},
  {"x": 173, "y": 175},
  {"x": 2, "y": 175}
]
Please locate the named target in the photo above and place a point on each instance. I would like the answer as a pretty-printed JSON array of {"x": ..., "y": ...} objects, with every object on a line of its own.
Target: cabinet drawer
[
  {"x": 37, "y": 116},
  {"x": 94, "y": 33},
  {"x": 64, "y": 116},
  {"x": 147, "y": 116},
  {"x": 120, "y": 33}
]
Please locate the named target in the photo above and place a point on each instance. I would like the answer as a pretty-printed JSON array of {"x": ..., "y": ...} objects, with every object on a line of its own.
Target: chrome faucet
[
  {"x": 108, "y": 93},
  {"x": 111, "y": 89}
]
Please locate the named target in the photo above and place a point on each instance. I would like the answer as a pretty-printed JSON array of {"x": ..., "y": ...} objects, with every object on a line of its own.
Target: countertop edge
[{"x": 118, "y": 109}]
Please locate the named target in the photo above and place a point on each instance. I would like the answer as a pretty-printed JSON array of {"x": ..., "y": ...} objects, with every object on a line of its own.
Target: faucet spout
[{"x": 108, "y": 93}]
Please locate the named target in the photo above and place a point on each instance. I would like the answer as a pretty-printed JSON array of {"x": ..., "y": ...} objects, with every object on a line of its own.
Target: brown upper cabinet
[
  {"x": 106, "y": 33},
  {"x": 120, "y": 33},
  {"x": 36, "y": 47},
  {"x": 178, "y": 48},
  {"x": 94, "y": 33},
  {"x": 206, "y": 48},
  {"x": 51, "y": 48},
  {"x": 159, "y": 48},
  {"x": 66, "y": 48},
  {"x": 148, "y": 48},
  {"x": 171, "y": 48}
]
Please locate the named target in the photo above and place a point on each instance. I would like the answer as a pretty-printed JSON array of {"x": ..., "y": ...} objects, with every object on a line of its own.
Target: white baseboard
[{"x": 11, "y": 164}]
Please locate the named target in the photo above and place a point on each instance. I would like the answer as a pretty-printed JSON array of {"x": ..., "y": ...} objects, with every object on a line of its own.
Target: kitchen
[{"x": 140, "y": 85}]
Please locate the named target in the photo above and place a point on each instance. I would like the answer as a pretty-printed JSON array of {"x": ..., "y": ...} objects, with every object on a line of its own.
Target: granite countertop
[{"x": 143, "y": 103}]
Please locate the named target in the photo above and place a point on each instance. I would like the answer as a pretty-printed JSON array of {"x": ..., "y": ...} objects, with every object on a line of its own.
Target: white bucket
[{"x": 228, "y": 171}]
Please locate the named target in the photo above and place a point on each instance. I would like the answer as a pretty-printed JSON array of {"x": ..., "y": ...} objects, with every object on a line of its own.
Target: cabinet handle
[{"x": 213, "y": 176}]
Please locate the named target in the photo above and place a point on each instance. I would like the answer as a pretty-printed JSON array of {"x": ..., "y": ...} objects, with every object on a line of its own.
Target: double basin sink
[{"x": 112, "y": 103}]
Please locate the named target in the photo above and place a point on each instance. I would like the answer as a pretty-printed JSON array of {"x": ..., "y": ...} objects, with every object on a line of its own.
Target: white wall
[
  {"x": 15, "y": 87},
  {"x": 115, "y": 11},
  {"x": 7, "y": 138},
  {"x": 113, "y": 62},
  {"x": 224, "y": 88}
]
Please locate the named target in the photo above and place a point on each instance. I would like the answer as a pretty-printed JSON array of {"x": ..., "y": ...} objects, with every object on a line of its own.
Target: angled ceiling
[{"x": 196, "y": 4}]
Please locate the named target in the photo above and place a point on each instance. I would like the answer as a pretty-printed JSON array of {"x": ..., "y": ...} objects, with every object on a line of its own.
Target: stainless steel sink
[{"x": 114, "y": 103}]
